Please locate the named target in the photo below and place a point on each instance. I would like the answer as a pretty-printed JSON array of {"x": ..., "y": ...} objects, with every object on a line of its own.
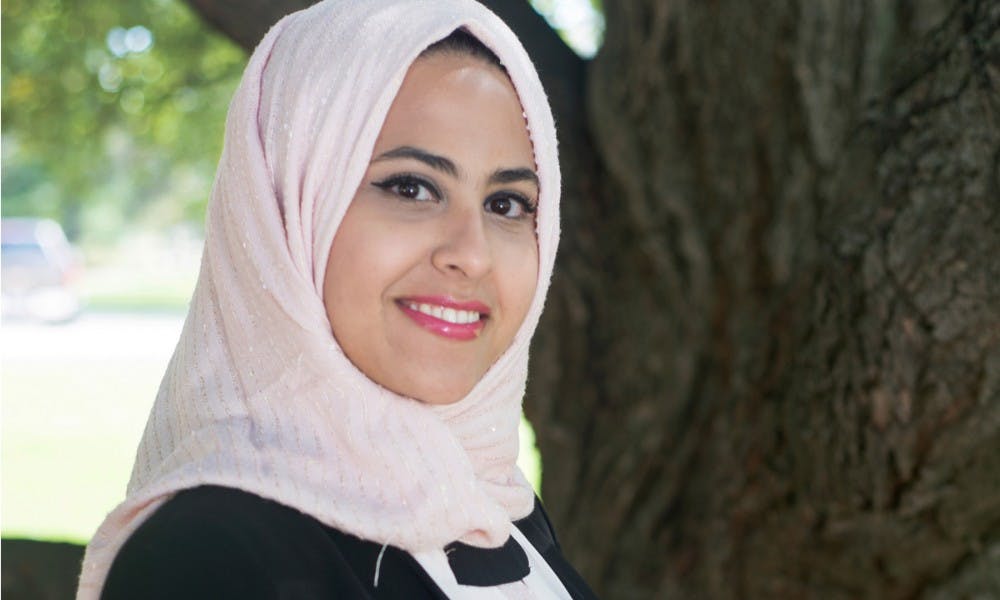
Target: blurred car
[{"x": 38, "y": 270}]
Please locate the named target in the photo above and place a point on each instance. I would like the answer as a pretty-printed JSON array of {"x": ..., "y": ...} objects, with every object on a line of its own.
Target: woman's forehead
[{"x": 459, "y": 107}]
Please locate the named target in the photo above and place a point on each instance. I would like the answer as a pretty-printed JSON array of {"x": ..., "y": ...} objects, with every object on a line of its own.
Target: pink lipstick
[{"x": 445, "y": 316}]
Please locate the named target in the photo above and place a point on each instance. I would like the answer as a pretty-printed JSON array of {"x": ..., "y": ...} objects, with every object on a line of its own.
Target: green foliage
[
  {"x": 580, "y": 23},
  {"x": 113, "y": 112}
]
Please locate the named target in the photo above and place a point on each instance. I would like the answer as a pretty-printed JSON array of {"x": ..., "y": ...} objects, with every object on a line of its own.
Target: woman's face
[{"x": 434, "y": 266}]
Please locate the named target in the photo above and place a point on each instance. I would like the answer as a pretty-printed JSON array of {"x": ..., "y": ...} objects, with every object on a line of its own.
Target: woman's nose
[{"x": 463, "y": 248}]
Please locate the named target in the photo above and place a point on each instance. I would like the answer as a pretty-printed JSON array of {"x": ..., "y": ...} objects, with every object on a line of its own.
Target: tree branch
[{"x": 245, "y": 21}]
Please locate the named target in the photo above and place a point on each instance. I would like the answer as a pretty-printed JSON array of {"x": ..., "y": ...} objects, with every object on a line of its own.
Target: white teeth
[{"x": 451, "y": 315}]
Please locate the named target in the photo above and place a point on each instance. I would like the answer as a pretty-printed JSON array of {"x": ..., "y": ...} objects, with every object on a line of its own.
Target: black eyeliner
[
  {"x": 404, "y": 178},
  {"x": 527, "y": 206}
]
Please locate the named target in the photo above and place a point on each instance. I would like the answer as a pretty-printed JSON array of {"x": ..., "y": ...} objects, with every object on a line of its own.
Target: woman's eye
[
  {"x": 511, "y": 206},
  {"x": 409, "y": 187}
]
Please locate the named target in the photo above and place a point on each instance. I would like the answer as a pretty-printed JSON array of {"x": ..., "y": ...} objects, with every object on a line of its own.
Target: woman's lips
[{"x": 446, "y": 317}]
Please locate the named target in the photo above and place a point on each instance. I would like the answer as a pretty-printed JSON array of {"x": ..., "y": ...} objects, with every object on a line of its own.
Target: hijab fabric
[{"x": 258, "y": 395}]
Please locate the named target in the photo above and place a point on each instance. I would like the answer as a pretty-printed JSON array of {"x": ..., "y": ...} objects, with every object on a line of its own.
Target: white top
[{"x": 540, "y": 584}]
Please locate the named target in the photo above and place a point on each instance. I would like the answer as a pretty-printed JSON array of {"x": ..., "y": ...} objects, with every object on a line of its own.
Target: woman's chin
[{"x": 440, "y": 396}]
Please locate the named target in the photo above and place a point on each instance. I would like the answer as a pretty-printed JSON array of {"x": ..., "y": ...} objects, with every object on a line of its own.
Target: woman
[{"x": 339, "y": 419}]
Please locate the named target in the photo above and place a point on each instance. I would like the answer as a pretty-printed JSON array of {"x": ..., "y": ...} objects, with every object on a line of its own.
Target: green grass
[
  {"x": 69, "y": 435},
  {"x": 141, "y": 292},
  {"x": 529, "y": 459}
]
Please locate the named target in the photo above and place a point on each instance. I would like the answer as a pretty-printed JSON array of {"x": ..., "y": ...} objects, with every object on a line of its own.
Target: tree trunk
[{"x": 770, "y": 361}]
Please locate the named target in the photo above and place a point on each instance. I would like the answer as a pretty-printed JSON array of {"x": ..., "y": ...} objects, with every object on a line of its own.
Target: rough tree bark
[{"x": 770, "y": 364}]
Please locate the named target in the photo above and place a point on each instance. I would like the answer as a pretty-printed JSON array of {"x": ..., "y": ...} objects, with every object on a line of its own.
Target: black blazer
[{"x": 220, "y": 543}]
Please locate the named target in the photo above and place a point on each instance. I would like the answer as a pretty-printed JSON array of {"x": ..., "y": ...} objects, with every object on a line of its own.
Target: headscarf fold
[{"x": 258, "y": 395}]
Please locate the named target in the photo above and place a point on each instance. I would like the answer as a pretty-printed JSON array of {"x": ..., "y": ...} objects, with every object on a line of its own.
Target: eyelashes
[
  {"x": 510, "y": 205},
  {"x": 415, "y": 188},
  {"x": 410, "y": 187}
]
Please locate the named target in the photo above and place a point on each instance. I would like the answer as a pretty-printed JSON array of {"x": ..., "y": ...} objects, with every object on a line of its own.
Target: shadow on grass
[{"x": 37, "y": 570}]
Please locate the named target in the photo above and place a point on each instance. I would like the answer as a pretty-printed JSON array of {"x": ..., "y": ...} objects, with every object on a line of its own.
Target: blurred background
[
  {"x": 775, "y": 318},
  {"x": 113, "y": 116}
]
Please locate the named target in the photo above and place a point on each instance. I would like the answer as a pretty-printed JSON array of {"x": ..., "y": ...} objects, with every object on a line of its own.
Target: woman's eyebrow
[
  {"x": 445, "y": 165},
  {"x": 434, "y": 161},
  {"x": 502, "y": 176}
]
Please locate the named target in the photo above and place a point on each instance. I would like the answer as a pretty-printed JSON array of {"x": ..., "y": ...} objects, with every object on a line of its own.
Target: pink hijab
[{"x": 258, "y": 395}]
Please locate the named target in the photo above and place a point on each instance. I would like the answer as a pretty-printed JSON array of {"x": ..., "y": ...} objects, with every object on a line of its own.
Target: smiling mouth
[
  {"x": 445, "y": 317},
  {"x": 451, "y": 315}
]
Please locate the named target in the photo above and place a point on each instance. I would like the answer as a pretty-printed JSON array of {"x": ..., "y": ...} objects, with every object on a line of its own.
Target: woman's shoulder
[
  {"x": 537, "y": 528},
  {"x": 228, "y": 515},
  {"x": 217, "y": 542}
]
